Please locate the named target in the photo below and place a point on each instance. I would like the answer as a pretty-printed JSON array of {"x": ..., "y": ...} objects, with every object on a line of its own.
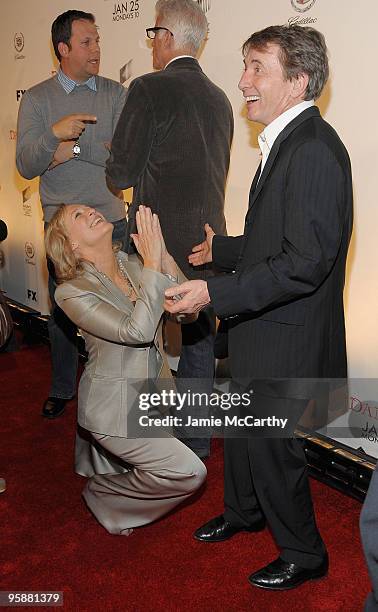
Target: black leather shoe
[
  {"x": 54, "y": 407},
  {"x": 219, "y": 530},
  {"x": 281, "y": 575}
]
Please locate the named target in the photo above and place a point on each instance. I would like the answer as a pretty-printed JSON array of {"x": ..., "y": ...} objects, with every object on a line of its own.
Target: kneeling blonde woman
[{"x": 117, "y": 302}]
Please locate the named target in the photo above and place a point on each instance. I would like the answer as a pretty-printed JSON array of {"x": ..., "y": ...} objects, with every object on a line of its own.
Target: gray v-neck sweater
[{"x": 79, "y": 180}]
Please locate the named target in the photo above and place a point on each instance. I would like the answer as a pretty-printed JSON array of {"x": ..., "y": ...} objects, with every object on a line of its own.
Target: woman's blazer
[{"x": 123, "y": 341}]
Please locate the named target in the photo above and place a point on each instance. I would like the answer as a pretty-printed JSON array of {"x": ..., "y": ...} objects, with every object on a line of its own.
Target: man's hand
[
  {"x": 71, "y": 126},
  {"x": 63, "y": 153},
  {"x": 118, "y": 193},
  {"x": 202, "y": 253},
  {"x": 194, "y": 296}
]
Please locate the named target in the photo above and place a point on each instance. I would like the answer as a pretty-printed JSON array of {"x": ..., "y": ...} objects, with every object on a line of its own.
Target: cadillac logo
[
  {"x": 302, "y": 5},
  {"x": 19, "y": 41}
]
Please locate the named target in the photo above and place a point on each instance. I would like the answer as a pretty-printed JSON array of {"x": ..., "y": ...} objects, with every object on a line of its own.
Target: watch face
[{"x": 76, "y": 149}]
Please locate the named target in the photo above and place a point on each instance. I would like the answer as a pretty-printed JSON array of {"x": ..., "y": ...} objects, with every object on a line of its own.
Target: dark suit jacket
[
  {"x": 172, "y": 144},
  {"x": 287, "y": 289}
]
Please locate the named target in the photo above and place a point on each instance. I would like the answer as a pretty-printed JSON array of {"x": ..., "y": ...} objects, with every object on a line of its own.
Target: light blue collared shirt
[{"x": 69, "y": 85}]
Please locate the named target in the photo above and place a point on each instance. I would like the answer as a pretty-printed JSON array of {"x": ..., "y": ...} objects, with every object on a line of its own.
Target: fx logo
[
  {"x": 19, "y": 93},
  {"x": 32, "y": 295}
]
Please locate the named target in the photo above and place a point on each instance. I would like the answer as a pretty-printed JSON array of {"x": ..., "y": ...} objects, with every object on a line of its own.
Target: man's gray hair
[
  {"x": 186, "y": 20},
  {"x": 302, "y": 50}
]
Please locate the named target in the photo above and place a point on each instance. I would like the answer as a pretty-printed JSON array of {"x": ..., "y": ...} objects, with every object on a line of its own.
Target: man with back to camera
[
  {"x": 65, "y": 126},
  {"x": 283, "y": 304},
  {"x": 172, "y": 144}
]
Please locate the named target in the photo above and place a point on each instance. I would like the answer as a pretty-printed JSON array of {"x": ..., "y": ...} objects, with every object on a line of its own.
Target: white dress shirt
[
  {"x": 178, "y": 57},
  {"x": 269, "y": 134}
]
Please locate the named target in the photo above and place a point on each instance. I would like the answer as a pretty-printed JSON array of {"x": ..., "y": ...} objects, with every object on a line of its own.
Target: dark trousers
[
  {"x": 369, "y": 536},
  {"x": 63, "y": 334},
  {"x": 267, "y": 478},
  {"x": 195, "y": 373}
]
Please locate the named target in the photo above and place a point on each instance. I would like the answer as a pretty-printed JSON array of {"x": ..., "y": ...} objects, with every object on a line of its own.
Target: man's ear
[
  {"x": 169, "y": 40},
  {"x": 63, "y": 49},
  {"x": 300, "y": 83}
]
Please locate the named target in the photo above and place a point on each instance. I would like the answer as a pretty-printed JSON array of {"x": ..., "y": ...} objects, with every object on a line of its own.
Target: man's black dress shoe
[
  {"x": 281, "y": 575},
  {"x": 219, "y": 530},
  {"x": 54, "y": 407}
]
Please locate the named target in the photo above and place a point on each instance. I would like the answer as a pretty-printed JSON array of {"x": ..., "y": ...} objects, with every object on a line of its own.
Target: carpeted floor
[{"x": 50, "y": 542}]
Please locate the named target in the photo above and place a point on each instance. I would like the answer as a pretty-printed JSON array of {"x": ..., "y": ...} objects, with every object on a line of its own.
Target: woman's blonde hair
[{"x": 59, "y": 249}]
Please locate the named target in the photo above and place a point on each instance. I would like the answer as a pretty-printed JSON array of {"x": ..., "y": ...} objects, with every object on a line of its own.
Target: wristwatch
[{"x": 76, "y": 148}]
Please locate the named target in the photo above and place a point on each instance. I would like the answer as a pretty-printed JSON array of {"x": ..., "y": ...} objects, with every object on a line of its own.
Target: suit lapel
[
  {"x": 254, "y": 183},
  {"x": 256, "y": 187},
  {"x": 133, "y": 272},
  {"x": 268, "y": 165},
  {"x": 133, "y": 268}
]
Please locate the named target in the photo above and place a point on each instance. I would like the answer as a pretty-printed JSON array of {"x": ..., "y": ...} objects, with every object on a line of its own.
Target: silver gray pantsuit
[
  {"x": 165, "y": 472},
  {"x": 132, "y": 481}
]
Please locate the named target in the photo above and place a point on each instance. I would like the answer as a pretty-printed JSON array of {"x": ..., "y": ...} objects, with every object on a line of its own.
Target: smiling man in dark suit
[
  {"x": 282, "y": 297},
  {"x": 172, "y": 145}
]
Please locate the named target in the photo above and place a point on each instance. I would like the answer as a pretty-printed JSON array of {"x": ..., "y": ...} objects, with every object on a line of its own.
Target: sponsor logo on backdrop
[
  {"x": 205, "y": 5},
  {"x": 124, "y": 11},
  {"x": 19, "y": 43},
  {"x": 126, "y": 72},
  {"x": 365, "y": 419},
  {"x": 26, "y": 205},
  {"x": 302, "y": 5},
  {"x": 31, "y": 295},
  {"x": 19, "y": 94},
  {"x": 301, "y": 20},
  {"x": 369, "y": 432},
  {"x": 29, "y": 252}
]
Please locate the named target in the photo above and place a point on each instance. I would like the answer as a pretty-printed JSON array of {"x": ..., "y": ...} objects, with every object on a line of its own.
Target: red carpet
[{"x": 50, "y": 542}]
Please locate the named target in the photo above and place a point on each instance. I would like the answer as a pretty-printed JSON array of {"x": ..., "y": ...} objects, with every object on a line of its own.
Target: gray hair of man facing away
[
  {"x": 187, "y": 22},
  {"x": 302, "y": 50}
]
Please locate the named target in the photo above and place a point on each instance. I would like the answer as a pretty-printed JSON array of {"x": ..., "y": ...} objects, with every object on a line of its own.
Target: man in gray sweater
[{"x": 65, "y": 126}]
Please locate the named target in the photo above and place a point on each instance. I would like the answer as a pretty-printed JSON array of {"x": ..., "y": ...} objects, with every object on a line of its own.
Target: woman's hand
[{"x": 148, "y": 239}]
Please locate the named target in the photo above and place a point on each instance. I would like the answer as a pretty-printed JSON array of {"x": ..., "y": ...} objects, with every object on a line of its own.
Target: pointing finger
[{"x": 81, "y": 117}]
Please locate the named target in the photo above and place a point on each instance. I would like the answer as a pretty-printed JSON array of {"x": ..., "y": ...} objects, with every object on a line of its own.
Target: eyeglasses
[{"x": 151, "y": 32}]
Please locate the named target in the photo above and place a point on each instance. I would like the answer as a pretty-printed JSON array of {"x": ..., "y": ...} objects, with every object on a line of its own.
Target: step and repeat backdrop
[{"x": 348, "y": 103}]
